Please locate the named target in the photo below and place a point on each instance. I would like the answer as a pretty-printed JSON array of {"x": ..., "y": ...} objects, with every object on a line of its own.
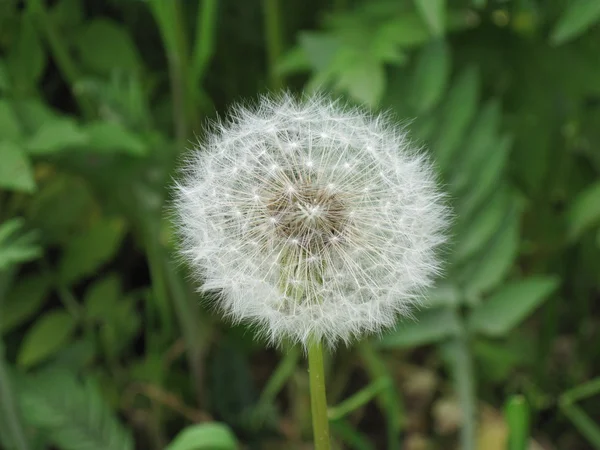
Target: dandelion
[
  {"x": 314, "y": 221},
  {"x": 311, "y": 220}
]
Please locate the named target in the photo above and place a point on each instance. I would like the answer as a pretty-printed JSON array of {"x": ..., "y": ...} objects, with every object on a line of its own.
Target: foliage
[{"x": 104, "y": 343}]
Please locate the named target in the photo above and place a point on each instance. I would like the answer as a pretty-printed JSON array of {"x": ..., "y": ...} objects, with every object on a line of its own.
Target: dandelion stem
[{"x": 318, "y": 399}]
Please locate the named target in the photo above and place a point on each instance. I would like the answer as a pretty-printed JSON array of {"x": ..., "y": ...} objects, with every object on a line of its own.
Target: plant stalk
[{"x": 318, "y": 398}]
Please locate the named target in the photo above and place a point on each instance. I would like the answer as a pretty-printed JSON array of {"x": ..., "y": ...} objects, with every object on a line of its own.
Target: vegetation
[{"x": 106, "y": 345}]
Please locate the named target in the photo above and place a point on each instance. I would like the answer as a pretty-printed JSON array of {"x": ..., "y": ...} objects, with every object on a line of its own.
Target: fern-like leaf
[{"x": 71, "y": 413}]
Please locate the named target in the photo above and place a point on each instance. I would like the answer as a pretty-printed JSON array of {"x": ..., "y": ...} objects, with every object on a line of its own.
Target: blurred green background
[{"x": 104, "y": 343}]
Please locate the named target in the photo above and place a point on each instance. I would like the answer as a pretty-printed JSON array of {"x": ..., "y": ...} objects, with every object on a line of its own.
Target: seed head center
[{"x": 312, "y": 216}]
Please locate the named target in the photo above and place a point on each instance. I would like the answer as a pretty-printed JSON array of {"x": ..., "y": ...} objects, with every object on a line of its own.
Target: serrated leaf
[
  {"x": 16, "y": 172},
  {"x": 429, "y": 326},
  {"x": 205, "y": 436},
  {"x": 512, "y": 304},
  {"x": 56, "y": 135},
  {"x": 10, "y": 128},
  {"x": 86, "y": 252},
  {"x": 430, "y": 76},
  {"x": 102, "y": 298},
  {"x": 434, "y": 14},
  {"x": 114, "y": 137},
  {"x": 45, "y": 337},
  {"x": 71, "y": 414},
  {"x": 584, "y": 211},
  {"x": 458, "y": 111},
  {"x": 23, "y": 301},
  {"x": 496, "y": 261},
  {"x": 105, "y": 46},
  {"x": 580, "y": 15}
]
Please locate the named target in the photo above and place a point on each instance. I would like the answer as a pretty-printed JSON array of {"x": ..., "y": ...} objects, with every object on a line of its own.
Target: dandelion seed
[{"x": 331, "y": 229}]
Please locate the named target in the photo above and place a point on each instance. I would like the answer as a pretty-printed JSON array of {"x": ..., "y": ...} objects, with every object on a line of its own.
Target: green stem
[
  {"x": 277, "y": 381},
  {"x": 60, "y": 53},
  {"x": 195, "y": 328},
  {"x": 273, "y": 39},
  {"x": 170, "y": 24},
  {"x": 205, "y": 38},
  {"x": 461, "y": 362},
  {"x": 318, "y": 398}
]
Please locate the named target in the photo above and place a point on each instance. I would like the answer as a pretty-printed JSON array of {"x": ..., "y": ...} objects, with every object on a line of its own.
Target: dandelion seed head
[{"x": 311, "y": 220}]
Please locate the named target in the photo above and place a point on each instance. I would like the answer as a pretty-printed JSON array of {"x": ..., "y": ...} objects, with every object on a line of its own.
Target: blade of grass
[
  {"x": 351, "y": 436},
  {"x": 204, "y": 43},
  {"x": 582, "y": 391},
  {"x": 583, "y": 423},
  {"x": 388, "y": 399},
  {"x": 358, "y": 399},
  {"x": 274, "y": 39}
]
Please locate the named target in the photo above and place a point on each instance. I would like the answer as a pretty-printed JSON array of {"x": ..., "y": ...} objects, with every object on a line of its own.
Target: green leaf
[
  {"x": 101, "y": 299},
  {"x": 479, "y": 143},
  {"x": 27, "y": 59},
  {"x": 320, "y": 49},
  {"x": 88, "y": 251},
  {"x": 10, "y": 128},
  {"x": 364, "y": 81},
  {"x": 517, "y": 414},
  {"x": 45, "y": 337},
  {"x": 509, "y": 306},
  {"x": 434, "y": 14},
  {"x": 56, "y": 135},
  {"x": 486, "y": 179},
  {"x": 71, "y": 414},
  {"x": 584, "y": 211},
  {"x": 23, "y": 301},
  {"x": 458, "y": 110},
  {"x": 204, "y": 436},
  {"x": 114, "y": 137},
  {"x": 405, "y": 31},
  {"x": 16, "y": 172},
  {"x": 496, "y": 260},
  {"x": 429, "y": 326},
  {"x": 481, "y": 228},
  {"x": 430, "y": 76},
  {"x": 5, "y": 83},
  {"x": 105, "y": 46},
  {"x": 580, "y": 15},
  {"x": 15, "y": 246},
  {"x": 293, "y": 61}
]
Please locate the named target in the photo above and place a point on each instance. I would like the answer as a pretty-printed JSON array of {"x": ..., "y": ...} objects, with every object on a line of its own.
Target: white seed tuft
[{"x": 310, "y": 219}]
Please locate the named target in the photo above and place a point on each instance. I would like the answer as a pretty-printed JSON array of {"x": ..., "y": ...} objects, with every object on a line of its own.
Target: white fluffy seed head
[{"x": 310, "y": 219}]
